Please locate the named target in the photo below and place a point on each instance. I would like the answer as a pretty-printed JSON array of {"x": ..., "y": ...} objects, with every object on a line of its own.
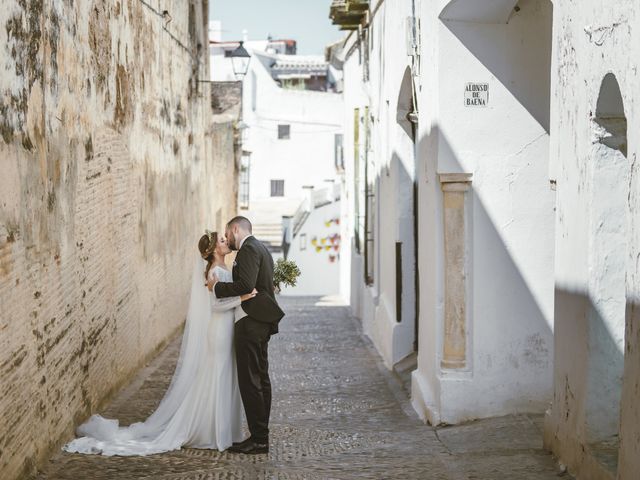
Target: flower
[{"x": 285, "y": 272}]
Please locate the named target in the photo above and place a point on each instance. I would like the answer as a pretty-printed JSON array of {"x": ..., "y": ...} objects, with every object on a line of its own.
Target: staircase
[{"x": 270, "y": 234}]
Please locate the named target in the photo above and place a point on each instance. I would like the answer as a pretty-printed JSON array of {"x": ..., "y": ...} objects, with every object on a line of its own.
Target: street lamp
[{"x": 240, "y": 61}]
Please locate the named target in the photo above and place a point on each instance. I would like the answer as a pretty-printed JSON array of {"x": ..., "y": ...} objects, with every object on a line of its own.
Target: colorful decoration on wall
[
  {"x": 328, "y": 223},
  {"x": 328, "y": 243}
]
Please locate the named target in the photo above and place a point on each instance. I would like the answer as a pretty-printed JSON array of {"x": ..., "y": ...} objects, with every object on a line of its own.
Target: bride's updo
[{"x": 207, "y": 245}]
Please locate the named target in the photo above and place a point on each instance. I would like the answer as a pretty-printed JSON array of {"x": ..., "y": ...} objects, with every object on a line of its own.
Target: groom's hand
[{"x": 212, "y": 282}]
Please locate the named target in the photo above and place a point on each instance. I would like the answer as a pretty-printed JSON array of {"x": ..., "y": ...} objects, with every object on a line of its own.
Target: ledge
[{"x": 455, "y": 177}]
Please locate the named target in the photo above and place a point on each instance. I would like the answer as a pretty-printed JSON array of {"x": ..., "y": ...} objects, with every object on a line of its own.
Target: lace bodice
[
  {"x": 223, "y": 274},
  {"x": 222, "y": 304}
]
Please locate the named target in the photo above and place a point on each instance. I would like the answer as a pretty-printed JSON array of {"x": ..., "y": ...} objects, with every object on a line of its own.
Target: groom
[{"x": 256, "y": 320}]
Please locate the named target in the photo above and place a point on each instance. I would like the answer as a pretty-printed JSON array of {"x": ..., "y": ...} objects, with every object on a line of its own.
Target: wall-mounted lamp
[{"x": 240, "y": 61}]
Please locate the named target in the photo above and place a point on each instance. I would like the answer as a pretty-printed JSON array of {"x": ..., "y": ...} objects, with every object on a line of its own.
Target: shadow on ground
[{"x": 338, "y": 414}]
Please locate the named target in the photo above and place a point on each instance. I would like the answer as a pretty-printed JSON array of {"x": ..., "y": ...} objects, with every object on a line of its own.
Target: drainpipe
[{"x": 415, "y": 61}]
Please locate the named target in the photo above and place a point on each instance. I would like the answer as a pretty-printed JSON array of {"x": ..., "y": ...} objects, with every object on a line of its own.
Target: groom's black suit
[{"x": 253, "y": 268}]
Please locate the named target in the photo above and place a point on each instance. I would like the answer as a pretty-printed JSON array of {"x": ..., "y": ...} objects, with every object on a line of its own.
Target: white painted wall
[
  {"x": 511, "y": 214},
  {"x": 510, "y": 238},
  {"x": 391, "y": 159},
  {"x": 319, "y": 274},
  {"x": 306, "y": 158},
  {"x": 596, "y": 374}
]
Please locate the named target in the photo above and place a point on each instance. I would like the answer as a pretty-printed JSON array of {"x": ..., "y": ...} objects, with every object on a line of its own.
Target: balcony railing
[{"x": 316, "y": 199}]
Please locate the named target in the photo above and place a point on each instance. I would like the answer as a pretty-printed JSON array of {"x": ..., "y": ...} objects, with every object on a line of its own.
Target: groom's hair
[{"x": 242, "y": 222}]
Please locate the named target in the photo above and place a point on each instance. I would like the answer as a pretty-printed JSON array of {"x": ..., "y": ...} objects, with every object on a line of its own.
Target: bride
[{"x": 202, "y": 407}]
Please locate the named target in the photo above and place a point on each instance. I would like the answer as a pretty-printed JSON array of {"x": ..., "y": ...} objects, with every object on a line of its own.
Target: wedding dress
[{"x": 202, "y": 407}]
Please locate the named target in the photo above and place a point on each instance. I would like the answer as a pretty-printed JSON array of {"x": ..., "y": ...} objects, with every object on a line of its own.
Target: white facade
[
  {"x": 527, "y": 210},
  {"x": 383, "y": 150},
  {"x": 508, "y": 237},
  {"x": 593, "y": 425},
  {"x": 307, "y": 157},
  {"x": 316, "y": 246},
  {"x": 289, "y": 141},
  {"x": 500, "y": 252}
]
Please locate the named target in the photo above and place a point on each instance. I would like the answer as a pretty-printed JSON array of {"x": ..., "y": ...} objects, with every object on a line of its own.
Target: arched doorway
[
  {"x": 407, "y": 294},
  {"x": 608, "y": 249}
]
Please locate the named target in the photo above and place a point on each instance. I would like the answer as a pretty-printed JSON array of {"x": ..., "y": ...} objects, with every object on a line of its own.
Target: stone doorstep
[{"x": 403, "y": 370}]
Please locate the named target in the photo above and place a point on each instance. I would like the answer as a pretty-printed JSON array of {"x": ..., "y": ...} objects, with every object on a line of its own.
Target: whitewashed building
[
  {"x": 291, "y": 146},
  {"x": 504, "y": 130},
  {"x": 593, "y": 425},
  {"x": 446, "y": 141}
]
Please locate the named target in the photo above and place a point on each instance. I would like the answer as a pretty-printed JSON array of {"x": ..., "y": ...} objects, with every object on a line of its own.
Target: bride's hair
[{"x": 207, "y": 245}]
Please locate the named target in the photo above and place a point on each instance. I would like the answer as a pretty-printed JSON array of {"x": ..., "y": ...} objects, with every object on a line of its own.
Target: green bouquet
[{"x": 285, "y": 272}]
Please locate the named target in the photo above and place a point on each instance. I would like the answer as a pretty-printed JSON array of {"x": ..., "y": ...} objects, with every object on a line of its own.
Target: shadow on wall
[
  {"x": 585, "y": 424},
  {"x": 509, "y": 335},
  {"x": 518, "y": 53},
  {"x": 589, "y": 361}
]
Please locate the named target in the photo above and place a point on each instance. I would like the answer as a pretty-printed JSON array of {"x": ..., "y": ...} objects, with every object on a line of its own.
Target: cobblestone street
[{"x": 338, "y": 414}]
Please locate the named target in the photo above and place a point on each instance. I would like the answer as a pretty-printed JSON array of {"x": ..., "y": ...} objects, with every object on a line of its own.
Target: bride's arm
[{"x": 224, "y": 304}]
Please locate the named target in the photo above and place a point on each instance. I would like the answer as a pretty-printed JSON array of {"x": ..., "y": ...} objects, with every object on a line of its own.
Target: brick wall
[{"x": 111, "y": 168}]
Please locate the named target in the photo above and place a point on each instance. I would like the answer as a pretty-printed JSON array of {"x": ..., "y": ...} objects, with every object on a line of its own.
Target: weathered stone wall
[{"x": 109, "y": 166}]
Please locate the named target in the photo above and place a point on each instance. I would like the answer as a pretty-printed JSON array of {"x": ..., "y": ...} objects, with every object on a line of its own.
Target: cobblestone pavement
[{"x": 338, "y": 414}]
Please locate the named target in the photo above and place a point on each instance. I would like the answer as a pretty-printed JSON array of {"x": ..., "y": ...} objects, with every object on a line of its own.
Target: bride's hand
[{"x": 248, "y": 296}]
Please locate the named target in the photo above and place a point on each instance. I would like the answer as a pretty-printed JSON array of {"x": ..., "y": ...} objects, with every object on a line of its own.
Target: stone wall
[{"x": 110, "y": 166}]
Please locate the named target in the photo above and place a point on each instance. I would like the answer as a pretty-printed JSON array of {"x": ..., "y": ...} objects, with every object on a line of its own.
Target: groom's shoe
[
  {"x": 250, "y": 448},
  {"x": 244, "y": 442}
]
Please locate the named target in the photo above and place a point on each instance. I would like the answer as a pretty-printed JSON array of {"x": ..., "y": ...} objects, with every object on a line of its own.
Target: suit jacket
[{"x": 253, "y": 268}]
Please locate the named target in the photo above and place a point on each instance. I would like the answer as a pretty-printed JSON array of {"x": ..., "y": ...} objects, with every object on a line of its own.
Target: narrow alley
[
  {"x": 338, "y": 414},
  {"x": 443, "y": 194}
]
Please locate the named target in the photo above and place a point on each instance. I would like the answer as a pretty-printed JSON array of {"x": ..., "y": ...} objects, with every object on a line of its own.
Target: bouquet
[{"x": 285, "y": 272}]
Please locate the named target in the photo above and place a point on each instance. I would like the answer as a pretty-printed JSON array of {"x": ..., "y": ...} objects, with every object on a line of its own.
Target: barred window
[
  {"x": 284, "y": 132},
  {"x": 277, "y": 188},
  {"x": 243, "y": 190}
]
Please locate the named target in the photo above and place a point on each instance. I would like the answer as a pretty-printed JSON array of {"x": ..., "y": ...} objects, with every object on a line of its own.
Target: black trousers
[{"x": 252, "y": 343}]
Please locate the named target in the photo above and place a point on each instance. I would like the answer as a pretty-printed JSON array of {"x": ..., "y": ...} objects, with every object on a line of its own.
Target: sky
[{"x": 306, "y": 21}]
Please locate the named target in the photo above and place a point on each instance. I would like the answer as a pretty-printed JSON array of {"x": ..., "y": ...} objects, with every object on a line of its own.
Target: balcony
[{"x": 348, "y": 14}]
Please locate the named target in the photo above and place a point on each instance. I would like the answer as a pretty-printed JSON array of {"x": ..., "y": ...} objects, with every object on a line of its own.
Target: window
[
  {"x": 356, "y": 177},
  {"x": 284, "y": 132},
  {"x": 227, "y": 53},
  {"x": 277, "y": 188},
  {"x": 243, "y": 187},
  {"x": 369, "y": 203},
  {"x": 303, "y": 241}
]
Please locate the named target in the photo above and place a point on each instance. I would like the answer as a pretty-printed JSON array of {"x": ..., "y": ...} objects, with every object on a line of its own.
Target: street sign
[{"x": 476, "y": 95}]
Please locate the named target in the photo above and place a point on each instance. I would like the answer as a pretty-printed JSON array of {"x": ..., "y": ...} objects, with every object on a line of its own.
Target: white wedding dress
[{"x": 202, "y": 407}]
